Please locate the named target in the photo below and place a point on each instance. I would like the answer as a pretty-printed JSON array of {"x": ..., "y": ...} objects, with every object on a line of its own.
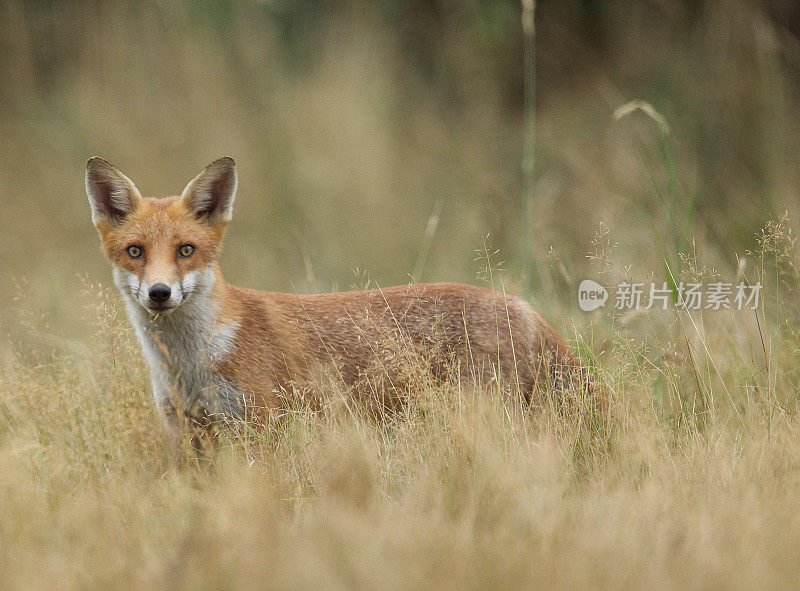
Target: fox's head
[{"x": 163, "y": 250}]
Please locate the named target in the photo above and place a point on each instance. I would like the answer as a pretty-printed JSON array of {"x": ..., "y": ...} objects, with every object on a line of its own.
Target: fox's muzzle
[{"x": 159, "y": 293}]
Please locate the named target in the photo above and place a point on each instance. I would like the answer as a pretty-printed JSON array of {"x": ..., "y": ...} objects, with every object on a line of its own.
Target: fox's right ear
[
  {"x": 210, "y": 194},
  {"x": 112, "y": 195}
]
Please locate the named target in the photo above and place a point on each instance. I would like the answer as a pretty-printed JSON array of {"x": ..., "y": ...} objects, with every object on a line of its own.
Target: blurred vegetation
[{"x": 351, "y": 120}]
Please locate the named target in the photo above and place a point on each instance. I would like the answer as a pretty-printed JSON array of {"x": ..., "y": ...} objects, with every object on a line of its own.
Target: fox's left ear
[
  {"x": 211, "y": 193},
  {"x": 112, "y": 195}
]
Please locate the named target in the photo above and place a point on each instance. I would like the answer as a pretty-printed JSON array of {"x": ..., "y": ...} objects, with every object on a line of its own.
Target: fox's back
[{"x": 376, "y": 338}]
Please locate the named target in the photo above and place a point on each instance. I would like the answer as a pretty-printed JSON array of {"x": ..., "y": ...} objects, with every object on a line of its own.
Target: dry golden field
[{"x": 378, "y": 144}]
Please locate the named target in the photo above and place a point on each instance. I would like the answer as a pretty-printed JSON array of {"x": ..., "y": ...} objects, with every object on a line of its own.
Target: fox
[{"x": 217, "y": 352}]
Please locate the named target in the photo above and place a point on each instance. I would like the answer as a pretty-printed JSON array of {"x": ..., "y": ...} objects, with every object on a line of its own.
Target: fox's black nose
[{"x": 159, "y": 293}]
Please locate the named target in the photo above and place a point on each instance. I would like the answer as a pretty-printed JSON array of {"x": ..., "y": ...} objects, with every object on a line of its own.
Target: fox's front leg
[
  {"x": 172, "y": 430},
  {"x": 190, "y": 439}
]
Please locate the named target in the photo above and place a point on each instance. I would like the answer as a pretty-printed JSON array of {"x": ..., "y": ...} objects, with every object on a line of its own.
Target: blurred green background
[{"x": 351, "y": 121}]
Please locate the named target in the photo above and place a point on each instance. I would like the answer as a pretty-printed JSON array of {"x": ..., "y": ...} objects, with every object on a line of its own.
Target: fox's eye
[
  {"x": 186, "y": 251},
  {"x": 134, "y": 252}
]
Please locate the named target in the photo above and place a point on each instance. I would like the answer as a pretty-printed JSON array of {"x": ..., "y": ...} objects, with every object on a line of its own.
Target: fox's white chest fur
[{"x": 184, "y": 348}]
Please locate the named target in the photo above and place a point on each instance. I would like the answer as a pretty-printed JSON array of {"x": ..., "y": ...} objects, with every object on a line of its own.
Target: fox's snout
[{"x": 159, "y": 293}]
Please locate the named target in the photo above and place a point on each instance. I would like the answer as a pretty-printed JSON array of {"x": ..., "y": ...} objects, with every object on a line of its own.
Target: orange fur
[{"x": 274, "y": 343}]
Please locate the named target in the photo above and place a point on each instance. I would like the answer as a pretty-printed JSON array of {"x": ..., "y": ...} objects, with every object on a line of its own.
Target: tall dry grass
[{"x": 691, "y": 484}]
